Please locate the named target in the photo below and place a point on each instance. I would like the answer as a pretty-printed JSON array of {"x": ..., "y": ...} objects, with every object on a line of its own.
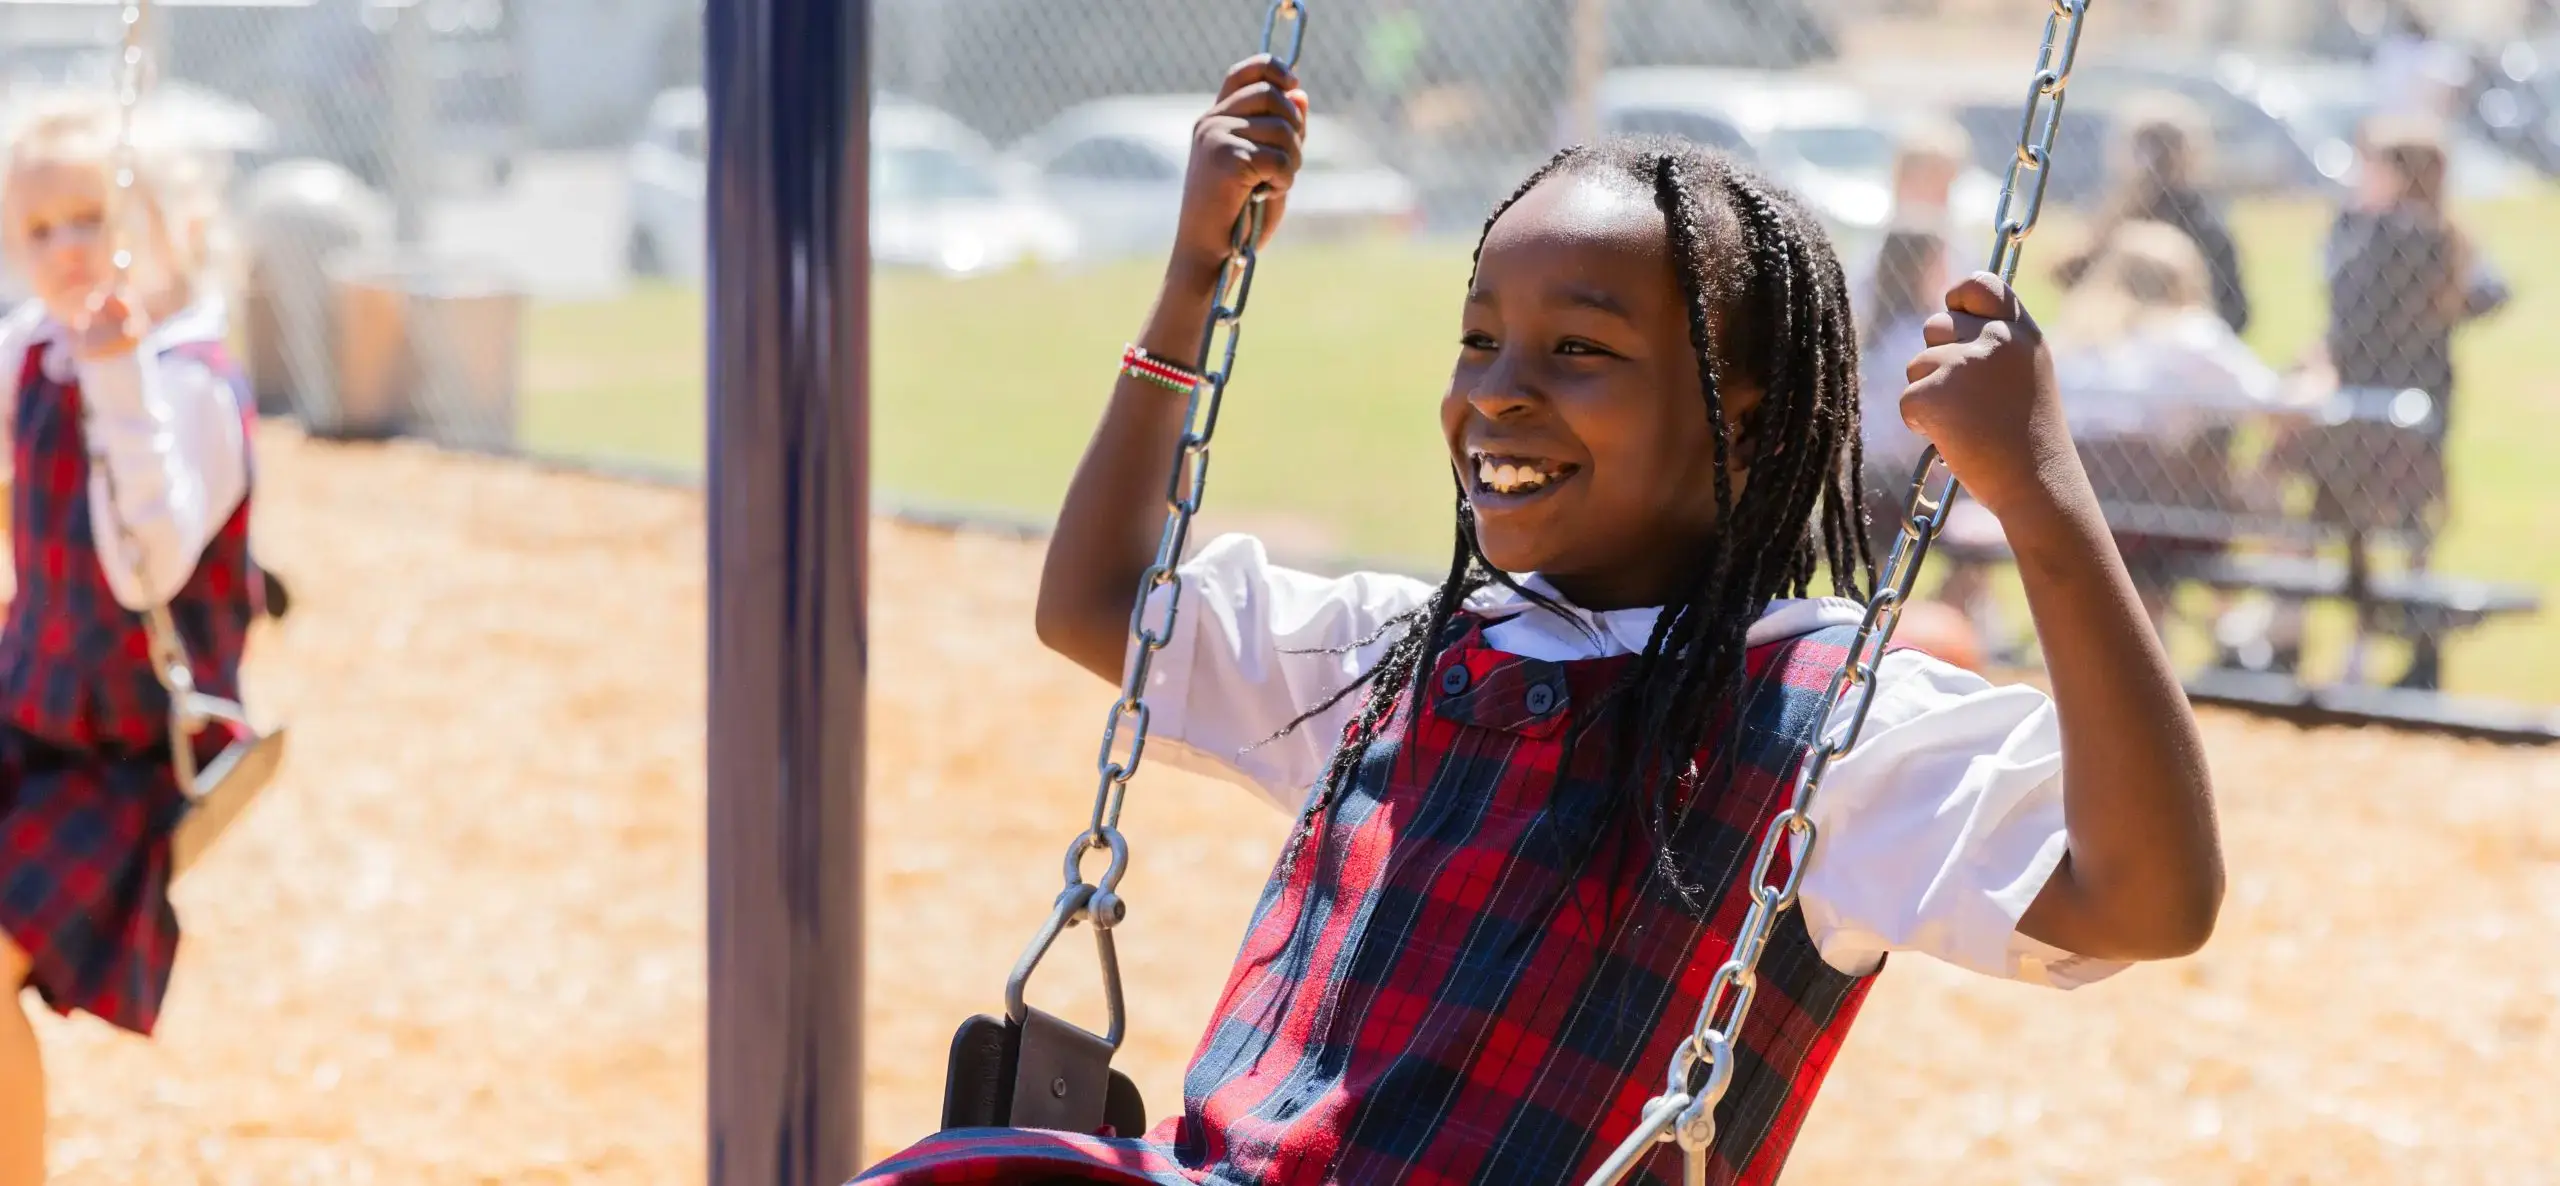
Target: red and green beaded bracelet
[{"x": 1137, "y": 363}]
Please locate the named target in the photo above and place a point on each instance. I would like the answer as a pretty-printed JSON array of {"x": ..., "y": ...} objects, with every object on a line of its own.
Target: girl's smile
[{"x": 1510, "y": 479}]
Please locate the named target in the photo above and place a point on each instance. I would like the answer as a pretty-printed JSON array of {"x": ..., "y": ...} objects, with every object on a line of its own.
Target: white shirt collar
[{"x": 1570, "y": 632}]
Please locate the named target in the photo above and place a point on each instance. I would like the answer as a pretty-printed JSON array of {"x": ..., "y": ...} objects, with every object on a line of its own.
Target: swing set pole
[{"x": 788, "y": 313}]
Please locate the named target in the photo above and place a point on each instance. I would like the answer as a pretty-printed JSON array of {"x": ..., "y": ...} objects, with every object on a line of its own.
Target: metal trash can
[
  {"x": 295, "y": 215},
  {"x": 428, "y": 344}
]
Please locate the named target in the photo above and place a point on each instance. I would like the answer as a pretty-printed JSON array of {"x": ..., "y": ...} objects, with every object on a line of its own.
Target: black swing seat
[
  {"x": 221, "y": 789},
  {"x": 1029, "y": 1069},
  {"x": 1038, "y": 1073}
]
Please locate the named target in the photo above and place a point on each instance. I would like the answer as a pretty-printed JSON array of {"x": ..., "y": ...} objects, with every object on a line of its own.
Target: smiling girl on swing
[{"x": 1528, "y": 795}]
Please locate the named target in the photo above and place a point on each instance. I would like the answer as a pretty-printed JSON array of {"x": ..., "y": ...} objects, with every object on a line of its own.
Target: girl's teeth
[{"x": 1511, "y": 478}]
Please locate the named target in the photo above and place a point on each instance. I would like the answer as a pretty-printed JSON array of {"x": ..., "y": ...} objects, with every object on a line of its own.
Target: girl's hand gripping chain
[
  {"x": 1253, "y": 136},
  {"x": 1114, "y": 516},
  {"x": 1983, "y": 393}
]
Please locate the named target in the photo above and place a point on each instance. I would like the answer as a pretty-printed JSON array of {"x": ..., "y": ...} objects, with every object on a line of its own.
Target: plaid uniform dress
[
  {"x": 87, "y": 795},
  {"x": 1482, "y": 972}
]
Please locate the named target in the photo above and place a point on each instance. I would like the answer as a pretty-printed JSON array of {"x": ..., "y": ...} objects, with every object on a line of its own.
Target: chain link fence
[{"x": 2293, "y": 254}]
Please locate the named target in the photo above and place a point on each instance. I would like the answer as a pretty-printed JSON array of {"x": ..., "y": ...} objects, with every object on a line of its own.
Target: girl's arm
[
  {"x": 1114, "y": 512},
  {"x": 2142, "y": 877},
  {"x": 170, "y": 432},
  {"x": 2484, "y": 288}
]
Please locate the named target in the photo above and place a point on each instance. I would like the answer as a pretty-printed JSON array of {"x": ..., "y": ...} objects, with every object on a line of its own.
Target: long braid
[{"x": 1786, "y": 316}]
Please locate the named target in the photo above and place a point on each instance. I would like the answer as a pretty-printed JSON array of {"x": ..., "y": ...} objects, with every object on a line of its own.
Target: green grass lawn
[{"x": 985, "y": 390}]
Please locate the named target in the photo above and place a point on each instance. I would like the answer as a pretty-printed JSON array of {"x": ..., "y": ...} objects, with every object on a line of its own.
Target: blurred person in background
[
  {"x": 2141, "y": 356},
  {"x": 2161, "y": 172},
  {"x": 2141, "y": 351},
  {"x": 1927, "y": 161},
  {"x": 129, "y": 442},
  {"x": 2402, "y": 276},
  {"x": 1906, "y": 286}
]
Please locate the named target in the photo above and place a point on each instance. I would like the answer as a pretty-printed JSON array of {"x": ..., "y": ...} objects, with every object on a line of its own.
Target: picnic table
[{"x": 2333, "y": 489}]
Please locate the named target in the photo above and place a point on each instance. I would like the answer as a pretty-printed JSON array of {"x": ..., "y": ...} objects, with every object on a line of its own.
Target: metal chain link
[
  {"x": 1099, "y": 902},
  {"x": 1702, "y": 1066},
  {"x": 168, "y": 649}
]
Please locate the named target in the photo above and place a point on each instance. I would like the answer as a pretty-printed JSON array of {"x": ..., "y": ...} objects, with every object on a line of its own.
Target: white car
[
  {"x": 1115, "y": 167},
  {"x": 1824, "y": 140},
  {"x": 939, "y": 198},
  {"x": 2324, "y": 106}
]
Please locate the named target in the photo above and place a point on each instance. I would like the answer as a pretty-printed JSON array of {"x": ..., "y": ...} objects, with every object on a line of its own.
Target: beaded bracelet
[{"x": 1139, "y": 364}]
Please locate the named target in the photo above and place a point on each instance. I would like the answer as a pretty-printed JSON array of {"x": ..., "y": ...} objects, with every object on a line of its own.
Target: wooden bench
[
  {"x": 2394, "y": 602},
  {"x": 2286, "y": 698}
]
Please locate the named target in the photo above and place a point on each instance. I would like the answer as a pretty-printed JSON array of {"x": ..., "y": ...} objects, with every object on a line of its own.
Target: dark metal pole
[{"x": 789, "y": 438}]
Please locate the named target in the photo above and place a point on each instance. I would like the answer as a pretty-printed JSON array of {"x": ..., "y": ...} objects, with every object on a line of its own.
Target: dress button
[
  {"x": 1542, "y": 699},
  {"x": 1454, "y": 680}
]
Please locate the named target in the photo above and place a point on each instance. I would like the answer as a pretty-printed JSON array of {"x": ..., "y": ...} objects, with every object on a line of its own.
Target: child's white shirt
[
  {"x": 1935, "y": 831},
  {"x": 2166, "y": 380},
  {"x": 171, "y": 432}
]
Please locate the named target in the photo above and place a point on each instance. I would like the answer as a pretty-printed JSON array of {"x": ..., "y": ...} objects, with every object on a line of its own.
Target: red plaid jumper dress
[
  {"x": 1483, "y": 976},
  {"x": 87, "y": 796}
]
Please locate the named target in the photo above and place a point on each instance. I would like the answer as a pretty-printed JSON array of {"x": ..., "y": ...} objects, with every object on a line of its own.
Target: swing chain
[
  {"x": 168, "y": 649},
  {"x": 1098, "y": 901},
  {"x": 1702, "y": 1065}
]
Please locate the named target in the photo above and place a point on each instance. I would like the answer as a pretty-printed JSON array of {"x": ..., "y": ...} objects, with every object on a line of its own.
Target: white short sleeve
[
  {"x": 1254, "y": 646},
  {"x": 171, "y": 432},
  {"x": 1939, "y": 828}
]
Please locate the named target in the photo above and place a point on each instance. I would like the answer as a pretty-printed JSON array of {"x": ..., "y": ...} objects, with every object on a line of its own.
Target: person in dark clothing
[
  {"x": 2402, "y": 277},
  {"x": 2160, "y": 178}
]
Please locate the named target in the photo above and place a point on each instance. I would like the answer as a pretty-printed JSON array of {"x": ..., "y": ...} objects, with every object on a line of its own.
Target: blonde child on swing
[{"x": 128, "y": 438}]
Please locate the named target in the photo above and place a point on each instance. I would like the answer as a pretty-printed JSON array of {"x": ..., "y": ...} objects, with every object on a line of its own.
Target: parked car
[
  {"x": 1114, "y": 167},
  {"x": 326, "y": 73},
  {"x": 1825, "y": 140},
  {"x": 2254, "y": 150},
  {"x": 2324, "y": 104},
  {"x": 204, "y": 119},
  {"x": 939, "y": 198},
  {"x": 2515, "y": 102}
]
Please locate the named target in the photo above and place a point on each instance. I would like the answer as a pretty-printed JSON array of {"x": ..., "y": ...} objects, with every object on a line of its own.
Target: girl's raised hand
[
  {"x": 112, "y": 329},
  {"x": 1254, "y": 135},
  {"x": 1983, "y": 393}
]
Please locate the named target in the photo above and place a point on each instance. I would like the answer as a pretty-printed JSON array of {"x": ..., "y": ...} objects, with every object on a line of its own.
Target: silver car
[
  {"x": 1114, "y": 167},
  {"x": 1825, "y": 140},
  {"x": 939, "y": 198}
]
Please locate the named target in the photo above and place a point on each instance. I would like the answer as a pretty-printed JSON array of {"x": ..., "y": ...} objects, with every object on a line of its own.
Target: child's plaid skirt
[{"x": 84, "y": 872}]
